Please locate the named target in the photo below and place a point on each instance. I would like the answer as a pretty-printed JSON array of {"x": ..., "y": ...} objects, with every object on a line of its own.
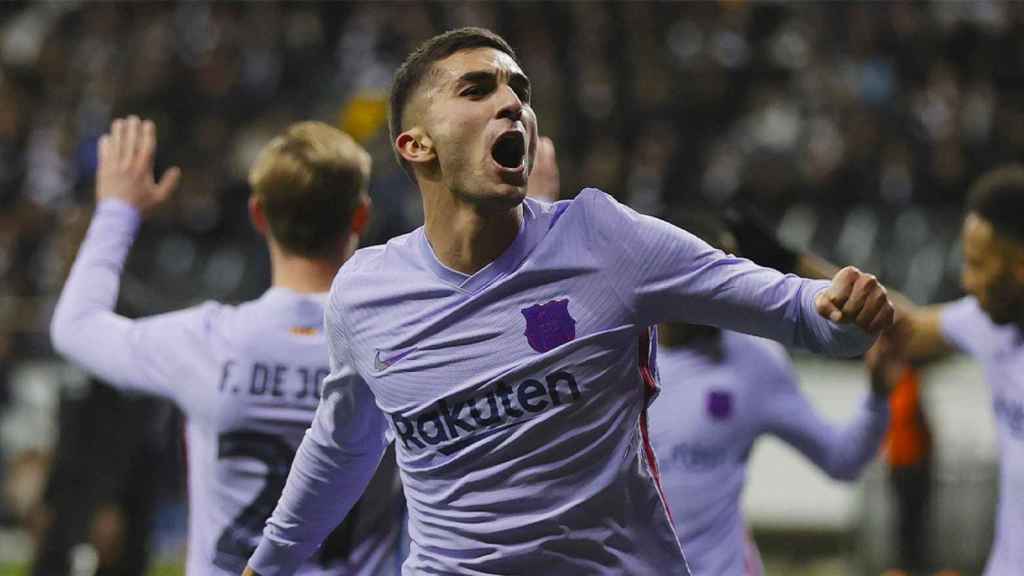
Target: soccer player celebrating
[
  {"x": 246, "y": 377},
  {"x": 988, "y": 324},
  {"x": 508, "y": 342},
  {"x": 722, "y": 391}
]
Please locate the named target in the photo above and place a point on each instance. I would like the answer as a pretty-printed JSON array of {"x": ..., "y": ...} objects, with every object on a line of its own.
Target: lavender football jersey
[
  {"x": 516, "y": 395},
  {"x": 703, "y": 426},
  {"x": 248, "y": 381},
  {"x": 1000, "y": 349}
]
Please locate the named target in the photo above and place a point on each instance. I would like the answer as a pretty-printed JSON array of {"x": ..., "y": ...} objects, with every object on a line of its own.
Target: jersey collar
[{"x": 530, "y": 234}]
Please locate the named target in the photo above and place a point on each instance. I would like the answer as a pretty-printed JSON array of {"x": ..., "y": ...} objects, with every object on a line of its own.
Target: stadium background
[{"x": 853, "y": 128}]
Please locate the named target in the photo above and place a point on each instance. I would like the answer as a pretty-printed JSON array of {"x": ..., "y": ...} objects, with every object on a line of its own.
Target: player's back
[
  {"x": 253, "y": 373},
  {"x": 719, "y": 397},
  {"x": 703, "y": 425}
]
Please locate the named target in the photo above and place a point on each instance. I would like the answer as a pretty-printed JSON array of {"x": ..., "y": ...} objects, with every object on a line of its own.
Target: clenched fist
[
  {"x": 858, "y": 298},
  {"x": 126, "y": 165}
]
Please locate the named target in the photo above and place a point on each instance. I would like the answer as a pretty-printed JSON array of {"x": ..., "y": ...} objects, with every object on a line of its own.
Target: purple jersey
[
  {"x": 247, "y": 379},
  {"x": 705, "y": 422},
  {"x": 516, "y": 395},
  {"x": 1000, "y": 349}
]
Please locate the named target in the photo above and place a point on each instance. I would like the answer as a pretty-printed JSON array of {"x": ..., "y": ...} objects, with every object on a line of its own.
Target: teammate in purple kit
[
  {"x": 722, "y": 391},
  {"x": 508, "y": 342},
  {"x": 246, "y": 377},
  {"x": 988, "y": 324}
]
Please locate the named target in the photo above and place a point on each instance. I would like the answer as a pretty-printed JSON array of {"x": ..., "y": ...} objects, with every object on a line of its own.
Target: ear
[
  {"x": 256, "y": 215},
  {"x": 415, "y": 146},
  {"x": 361, "y": 215}
]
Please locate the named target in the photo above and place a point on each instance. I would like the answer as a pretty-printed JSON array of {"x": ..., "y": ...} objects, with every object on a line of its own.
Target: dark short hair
[
  {"x": 411, "y": 73},
  {"x": 310, "y": 179},
  {"x": 998, "y": 197}
]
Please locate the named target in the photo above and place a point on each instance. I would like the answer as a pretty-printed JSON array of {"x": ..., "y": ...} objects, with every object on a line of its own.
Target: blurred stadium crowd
[{"x": 850, "y": 127}]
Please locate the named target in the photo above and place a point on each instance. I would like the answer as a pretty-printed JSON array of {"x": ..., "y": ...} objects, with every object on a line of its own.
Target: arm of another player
[
  {"x": 334, "y": 464},
  {"x": 841, "y": 452},
  {"x": 919, "y": 330},
  {"x": 544, "y": 181},
  {"x": 84, "y": 327}
]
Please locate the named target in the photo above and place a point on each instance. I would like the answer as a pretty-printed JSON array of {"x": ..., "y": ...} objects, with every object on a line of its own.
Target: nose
[{"x": 510, "y": 106}]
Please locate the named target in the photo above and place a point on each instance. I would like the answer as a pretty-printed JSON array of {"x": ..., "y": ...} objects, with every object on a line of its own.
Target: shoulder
[
  {"x": 601, "y": 218},
  {"x": 762, "y": 349},
  {"x": 210, "y": 315},
  {"x": 220, "y": 320},
  {"x": 372, "y": 258},
  {"x": 188, "y": 331},
  {"x": 969, "y": 328},
  {"x": 588, "y": 203},
  {"x": 597, "y": 204},
  {"x": 397, "y": 254},
  {"x": 962, "y": 313},
  {"x": 765, "y": 361},
  {"x": 375, "y": 270}
]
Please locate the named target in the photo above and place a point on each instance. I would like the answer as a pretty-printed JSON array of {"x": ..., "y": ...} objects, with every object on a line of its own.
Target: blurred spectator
[
  {"x": 884, "y": 105},
  {"x": 855, "y": 126}
]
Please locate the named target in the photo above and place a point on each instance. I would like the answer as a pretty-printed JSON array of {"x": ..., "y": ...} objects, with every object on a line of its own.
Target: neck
[
  {"x": 467, "y": 237},
  {"x": 304, "y": 275}
]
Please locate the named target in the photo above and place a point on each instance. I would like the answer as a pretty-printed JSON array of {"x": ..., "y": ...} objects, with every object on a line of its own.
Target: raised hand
[
  {"x": 856, "y": 298},
  {"x": 544, "y": 179},
  {"x": 126, "y": 165}
]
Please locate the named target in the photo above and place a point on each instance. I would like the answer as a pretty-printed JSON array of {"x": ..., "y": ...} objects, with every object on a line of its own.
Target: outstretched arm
[
  {"x": 666, "y": 274},
  {"x": 841, "y": 452},
  {"x": 544, "y": 179},
  {"x": 84, "y": 327}
]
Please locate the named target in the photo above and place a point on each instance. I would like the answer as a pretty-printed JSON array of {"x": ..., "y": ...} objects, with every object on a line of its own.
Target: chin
[
  {"x": 511, "y": 199},
  {"x": 504, "y": 196}
]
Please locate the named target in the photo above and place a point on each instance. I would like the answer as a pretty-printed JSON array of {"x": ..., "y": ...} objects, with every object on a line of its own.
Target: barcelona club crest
[
  {"x": 548, "y": 326},
  {"x": 719, "y": 404}
]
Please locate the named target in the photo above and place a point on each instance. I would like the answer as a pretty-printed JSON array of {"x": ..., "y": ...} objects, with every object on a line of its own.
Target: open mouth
[{"x": 509, "y": 150}]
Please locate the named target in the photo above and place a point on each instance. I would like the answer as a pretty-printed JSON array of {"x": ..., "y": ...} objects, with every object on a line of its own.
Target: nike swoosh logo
[{"x": 380, "y": 363}]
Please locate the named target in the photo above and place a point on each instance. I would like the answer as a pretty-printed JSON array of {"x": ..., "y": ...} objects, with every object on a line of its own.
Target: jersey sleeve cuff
[
  {"x": 844, "y": 340},
  {"x": 274, "y": 557},
  {"x": 115, "y": 208}
]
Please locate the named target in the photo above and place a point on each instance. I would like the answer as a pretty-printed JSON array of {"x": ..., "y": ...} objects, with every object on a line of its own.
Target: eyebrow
[{"x": 515, "y": 79}]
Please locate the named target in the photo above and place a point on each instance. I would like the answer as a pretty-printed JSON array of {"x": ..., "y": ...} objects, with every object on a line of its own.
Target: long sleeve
[
  {"x": 334, "y": 464},
  {"x": 665, "y": 274},
  {"x": 841, "y": 452},
  {"x": 139, "y": 355}
]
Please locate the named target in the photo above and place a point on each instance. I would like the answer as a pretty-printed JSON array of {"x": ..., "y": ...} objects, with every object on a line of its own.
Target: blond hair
[{"x": 310, "y": 180}]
